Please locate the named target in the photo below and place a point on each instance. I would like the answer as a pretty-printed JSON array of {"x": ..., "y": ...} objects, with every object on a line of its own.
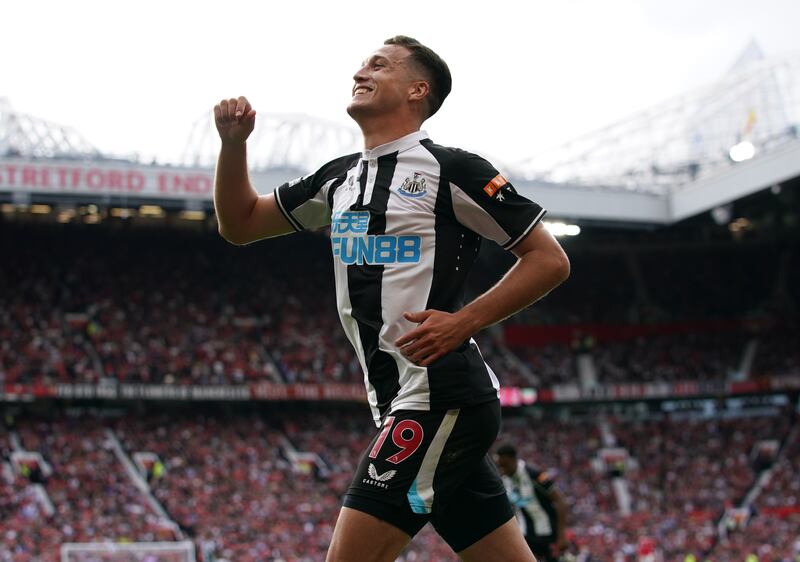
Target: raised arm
[{"x": 242, "y": 214}]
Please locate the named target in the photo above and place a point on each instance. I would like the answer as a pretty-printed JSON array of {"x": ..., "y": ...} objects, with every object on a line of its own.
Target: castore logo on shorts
[{"x": 376, "y": 479}]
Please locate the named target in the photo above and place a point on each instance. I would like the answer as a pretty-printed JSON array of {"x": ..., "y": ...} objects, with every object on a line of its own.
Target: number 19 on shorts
[{"x": 407, "y": 435}]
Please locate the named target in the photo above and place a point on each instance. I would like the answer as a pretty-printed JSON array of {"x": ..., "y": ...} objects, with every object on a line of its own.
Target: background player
[
  {"x": 541, "y": 507},
  {"x": 407, "y": 217}
]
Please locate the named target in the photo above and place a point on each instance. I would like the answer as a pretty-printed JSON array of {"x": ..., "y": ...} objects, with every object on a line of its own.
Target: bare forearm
[
  {"x": 541, "y": 267},
  {"x": 533, "y": 276},
  {"x": 234, "y": 197},
  {"x": 561, "y": 519}
]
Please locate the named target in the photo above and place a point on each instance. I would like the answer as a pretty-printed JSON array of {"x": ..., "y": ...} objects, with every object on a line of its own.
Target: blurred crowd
[
  {"x": 166, "y": 306},
  {"x": 681, "y": 357},
  {"x": 681, "y": 476},
  {"x": 258, "y": 486},
  {"x": 783, "y": 489},
  {"x": 89, "y": 496}
]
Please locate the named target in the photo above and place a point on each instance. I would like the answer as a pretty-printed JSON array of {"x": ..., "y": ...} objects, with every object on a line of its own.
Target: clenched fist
[{"x": 235, "y": 120}]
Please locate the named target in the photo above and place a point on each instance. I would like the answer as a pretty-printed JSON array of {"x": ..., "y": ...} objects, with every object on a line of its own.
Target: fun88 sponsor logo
[{"x": 352, "y": 245}]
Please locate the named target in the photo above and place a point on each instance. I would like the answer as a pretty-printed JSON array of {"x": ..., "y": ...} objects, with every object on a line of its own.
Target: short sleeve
[
  {"x": 306, "y": 201},
  {"x": 486, "y": 202}
]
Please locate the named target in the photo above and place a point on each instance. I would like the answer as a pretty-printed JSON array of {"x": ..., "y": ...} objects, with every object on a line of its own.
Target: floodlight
[{"x": 742, "y": 151}]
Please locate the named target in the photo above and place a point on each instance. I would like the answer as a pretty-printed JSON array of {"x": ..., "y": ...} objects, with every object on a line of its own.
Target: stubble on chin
[{"x": 357, "y": 110}]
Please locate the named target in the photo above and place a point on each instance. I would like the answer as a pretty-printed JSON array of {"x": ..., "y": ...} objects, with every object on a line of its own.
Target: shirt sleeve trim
[
  {"x": 292, "y": 221},
  {"x": 511, "y": 243}
]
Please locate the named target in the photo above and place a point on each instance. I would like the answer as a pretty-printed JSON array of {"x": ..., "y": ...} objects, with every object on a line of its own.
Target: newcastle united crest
[{"x": 413, "y": 187}]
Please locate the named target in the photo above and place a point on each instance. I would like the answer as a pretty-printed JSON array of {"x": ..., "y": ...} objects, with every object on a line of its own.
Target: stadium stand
[
  {"x": 133, "y": 301},
  {"x": 765, "y": 538},
  {"x": 192, "y": 310},
  {"x": 719, "y": 464},
  {"x": 252, "y": 485},
  {"x": 658, "y": 383},
  {"x": 680, "y": 357},
  {"x": 782, "y": 491},
  {"x": 238, "y": 487},
  {"x": 93, "y": 498}
]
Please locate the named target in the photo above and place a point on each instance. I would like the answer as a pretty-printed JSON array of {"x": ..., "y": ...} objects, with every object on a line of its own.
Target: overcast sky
[{"x": 134, "y": 76}]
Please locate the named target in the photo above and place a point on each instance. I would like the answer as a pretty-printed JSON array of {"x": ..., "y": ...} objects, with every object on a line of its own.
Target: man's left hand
[
  {"x": 559, "y": 547},
  {"x": 436, "y": 334}
]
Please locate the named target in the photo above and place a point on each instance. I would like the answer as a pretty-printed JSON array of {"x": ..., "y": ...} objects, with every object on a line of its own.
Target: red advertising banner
[
  {"x": 509, "y": 396},
  {"x": 342, "y": 392},
  {"x": 781, "y": 511}
]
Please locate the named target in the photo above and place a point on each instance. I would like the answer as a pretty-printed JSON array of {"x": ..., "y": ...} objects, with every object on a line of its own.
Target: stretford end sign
[{"x": 120, "y": 179}]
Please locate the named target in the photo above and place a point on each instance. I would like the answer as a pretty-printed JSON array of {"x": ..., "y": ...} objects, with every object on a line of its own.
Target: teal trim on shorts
[{"x": 415, "y": 501}]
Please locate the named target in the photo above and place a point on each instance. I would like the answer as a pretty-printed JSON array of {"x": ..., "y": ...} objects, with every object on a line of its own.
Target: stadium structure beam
[
  {"x": 658, "y": 167},
  {"x": 743, "y": 179},
  {"x": 578, "y": 202},
  {"x": 28, "y": 136},
  {"x": 110, "y": 181}
]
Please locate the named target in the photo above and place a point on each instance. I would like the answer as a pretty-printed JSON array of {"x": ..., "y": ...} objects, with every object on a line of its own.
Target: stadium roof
[
  {"x": 687, "y": 138},
  {"x": 685, "y": 156},
  {"x": 280, "y": 141},
  {"x": 28, "y": 136}
]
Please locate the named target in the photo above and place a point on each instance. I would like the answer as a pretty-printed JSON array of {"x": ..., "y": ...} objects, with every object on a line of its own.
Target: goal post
[{"x": 182, "y": 551}]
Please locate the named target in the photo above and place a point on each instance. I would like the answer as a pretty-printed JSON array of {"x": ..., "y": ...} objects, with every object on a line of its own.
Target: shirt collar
[{"x": 399, "y": 145}]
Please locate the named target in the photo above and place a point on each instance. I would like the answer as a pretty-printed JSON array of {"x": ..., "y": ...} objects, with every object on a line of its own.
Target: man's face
[
  {"x": 382, "y": 83},
  {"x": 506, "y": 464}
]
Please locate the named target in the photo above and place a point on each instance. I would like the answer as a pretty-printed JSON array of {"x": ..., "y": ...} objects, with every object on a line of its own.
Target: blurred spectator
[{"x": 231, "y": 483}]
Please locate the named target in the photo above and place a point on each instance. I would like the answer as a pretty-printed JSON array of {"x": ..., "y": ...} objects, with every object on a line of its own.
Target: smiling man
[{"x": 407, "y": 217}]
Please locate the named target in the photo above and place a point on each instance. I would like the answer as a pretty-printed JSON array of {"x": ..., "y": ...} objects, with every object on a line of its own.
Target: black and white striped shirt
[{"x": 406, "y": 219}]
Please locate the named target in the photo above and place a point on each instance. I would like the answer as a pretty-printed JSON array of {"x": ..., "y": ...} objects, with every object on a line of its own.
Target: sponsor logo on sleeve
[
  {"x": 494, "y": 185},
  {"x": 295, "y": 181}
]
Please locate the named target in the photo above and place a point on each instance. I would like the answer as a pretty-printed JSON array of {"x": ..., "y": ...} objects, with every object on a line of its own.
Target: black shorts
[{"x": 434, "y": 466}]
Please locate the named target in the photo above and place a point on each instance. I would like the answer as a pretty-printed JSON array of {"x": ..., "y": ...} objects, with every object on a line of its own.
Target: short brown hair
[
  {"x": 506, "y": 450},
  {"x": 436, "y": 71}
]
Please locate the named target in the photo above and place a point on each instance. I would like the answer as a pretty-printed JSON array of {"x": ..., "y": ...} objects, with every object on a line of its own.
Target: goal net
[{"x": 128, "y": 552}]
